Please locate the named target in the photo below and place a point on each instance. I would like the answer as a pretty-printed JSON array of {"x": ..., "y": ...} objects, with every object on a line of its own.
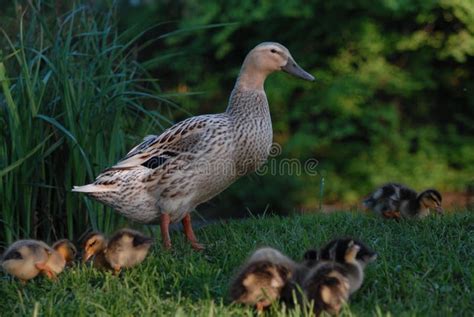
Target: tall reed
[{"x": 73, "y": 100}]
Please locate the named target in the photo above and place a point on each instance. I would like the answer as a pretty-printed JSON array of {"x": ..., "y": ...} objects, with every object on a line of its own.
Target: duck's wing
[
  {"x": 155, "y": 150},
  {"x": 181, "y": 143}
]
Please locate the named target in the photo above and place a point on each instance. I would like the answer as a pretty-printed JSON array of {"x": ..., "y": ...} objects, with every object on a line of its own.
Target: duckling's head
[
  {"x": 94, "y": 243},
  {"x": 66, "y": 249},
  {"x": 431, "y": 199},
  {"x": 348, "y": 250},
  {"x": 266, "y": 58}
]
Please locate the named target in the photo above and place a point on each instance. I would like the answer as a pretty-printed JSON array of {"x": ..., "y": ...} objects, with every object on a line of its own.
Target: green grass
[{"x": 424, "y": 268}]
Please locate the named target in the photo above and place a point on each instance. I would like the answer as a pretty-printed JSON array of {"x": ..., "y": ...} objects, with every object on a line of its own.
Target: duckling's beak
[
  {"x": 439, "y": 209},
  {"x": 86, "y": 256},
  {"x": 294, "y": 69}
]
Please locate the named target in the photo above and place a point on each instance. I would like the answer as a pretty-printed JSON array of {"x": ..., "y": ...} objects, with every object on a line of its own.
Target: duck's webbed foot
[
  {"x": 188, "y": 231},
  {"x": 165, "y": 233},
  {"x": 391, "y": 214}
]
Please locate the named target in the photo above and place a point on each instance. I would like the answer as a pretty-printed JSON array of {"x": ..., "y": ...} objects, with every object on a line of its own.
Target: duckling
[
  {"x": 395, "y": 200},
  {"x": 327, "y": 287},
  {"x": 94, "y": 248},
  {"x": 337, "y": 275},
  {"x": 127, "y": 248},
  {"x": 26, "y": 259},
  {"x": 261, "y": 279},
  {"x": 351, "y": 253},
  {"x": 67, "y": 250}
]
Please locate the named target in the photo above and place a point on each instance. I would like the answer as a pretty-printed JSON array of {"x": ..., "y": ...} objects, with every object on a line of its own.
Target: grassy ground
[{"x": 424, "y": 268}]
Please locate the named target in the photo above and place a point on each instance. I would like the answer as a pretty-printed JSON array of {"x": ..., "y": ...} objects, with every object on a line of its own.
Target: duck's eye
[{"x": 273, "y": 50}]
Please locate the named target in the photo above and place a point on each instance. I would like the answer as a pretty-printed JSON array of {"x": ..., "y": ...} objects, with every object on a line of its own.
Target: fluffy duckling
[
  {"x": 66, "y": 249},
  {"x": 337, "y": 275},
  {"x": 94, "y": 248},
  {"x": 25, "y": 259},
  {"x": 327, "y": 287},
  {"x": 395, "y": 200},
  {"x": 351, "y": 253},
  {"x": 261, "y": 279},
  {"x": 127, "y": 248}
]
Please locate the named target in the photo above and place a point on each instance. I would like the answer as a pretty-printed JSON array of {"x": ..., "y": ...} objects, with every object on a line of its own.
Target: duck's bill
[
  {"x": 294, "y": 69},
  {"x": 439, "y": 210},
  {"x": 86, "y": 257}
]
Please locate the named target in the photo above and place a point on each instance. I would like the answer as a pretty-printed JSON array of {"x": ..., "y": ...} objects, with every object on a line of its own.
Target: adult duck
[{"x": 166, "y": 176}]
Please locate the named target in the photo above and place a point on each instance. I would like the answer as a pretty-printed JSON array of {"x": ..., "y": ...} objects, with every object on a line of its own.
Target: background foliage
[{"x": 393, "y": 100}]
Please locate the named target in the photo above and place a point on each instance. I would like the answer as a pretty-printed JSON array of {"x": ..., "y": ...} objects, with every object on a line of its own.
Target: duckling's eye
[{"x": 273, "y": 50}]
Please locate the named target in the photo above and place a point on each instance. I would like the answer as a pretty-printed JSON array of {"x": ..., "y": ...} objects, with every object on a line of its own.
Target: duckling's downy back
[
  {"x": 127, "y": 248},
  {"x": 21, "y": 257}
]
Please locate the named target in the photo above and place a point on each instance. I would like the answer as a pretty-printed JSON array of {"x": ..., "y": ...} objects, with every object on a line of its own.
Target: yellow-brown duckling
[
  {"x": 395, "y": 200},
  {"x": 94, "y": 247},
  {"x": 127, "y": 248},
  {"x": 262, "y": 278},
  {"x": 25, "y": 259}
]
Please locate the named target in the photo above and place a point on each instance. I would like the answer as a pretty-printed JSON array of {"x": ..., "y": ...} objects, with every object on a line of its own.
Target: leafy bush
[{"x": 393, "y": 97}]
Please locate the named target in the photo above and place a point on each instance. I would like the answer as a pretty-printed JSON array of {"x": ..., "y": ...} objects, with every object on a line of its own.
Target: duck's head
[
  {"x": 269, "y": 57},
  {"x": 94, "y": 243},
  {"x": 431, "y": 199},
  {"x": 66, "y": 249}
]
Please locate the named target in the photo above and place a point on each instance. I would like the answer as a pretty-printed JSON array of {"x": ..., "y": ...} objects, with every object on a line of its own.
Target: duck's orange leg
[
  {"x": 188, "y": 231},
  {"x": 165, "y": 233}
]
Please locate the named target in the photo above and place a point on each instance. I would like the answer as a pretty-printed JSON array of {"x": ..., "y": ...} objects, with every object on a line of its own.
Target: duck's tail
[{"x": 94, "y": 188}]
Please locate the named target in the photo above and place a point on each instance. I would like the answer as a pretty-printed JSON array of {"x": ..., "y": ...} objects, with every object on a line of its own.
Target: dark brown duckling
[{"x": 396, "y": 200}]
